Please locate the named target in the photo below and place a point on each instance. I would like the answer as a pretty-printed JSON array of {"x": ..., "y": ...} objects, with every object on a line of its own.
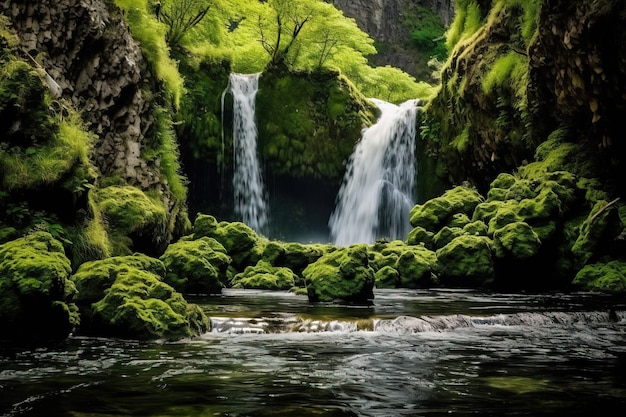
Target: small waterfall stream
[
  {"x": 378, "y": 189},
  {"x": 248, "y": 189}
]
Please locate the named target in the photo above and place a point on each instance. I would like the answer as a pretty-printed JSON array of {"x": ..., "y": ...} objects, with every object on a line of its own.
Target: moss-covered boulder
[
  {"x": 35, "y": 290},
  {"x": 196, "y": 266},
  {"x": 517, "y": 240},
  {"x": 135, "y": 219},
  {"x": 416, "y": 267},
  {"x": 420, "y": 235},
  {"x": 387, "y": 277},
  {"x": 467, "y": 261},
  {"x": 437, "y": 212},
  {"x": 399, "y": 265},
  {"x": 598, "y": 232},
  {"x": 341, "y": 276},
  {"x": 241, "y": 242},
  {"x": 608, "y": 277},
  {"x": 126, "y": 297},
  {"x": 264, "y": 276},
  {"x": 295, "y": 256}
]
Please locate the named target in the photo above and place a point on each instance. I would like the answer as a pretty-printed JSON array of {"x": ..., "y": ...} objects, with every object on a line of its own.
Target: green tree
[
  {"x": 180, "y": 16},
  {"x": 280, "y": 30}
]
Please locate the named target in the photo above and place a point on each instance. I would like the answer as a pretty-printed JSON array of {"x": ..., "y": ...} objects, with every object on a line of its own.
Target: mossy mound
[
  {"x": 241, "y": 243},
  {"x": 135, "y": 220},
  {"x": 322, "y": 115},
  {"x": 398, "y": 265},
  {"x": 341, "y": 276},
  {"x": 196, "y": 266},
  {"x": 467, "y": 261},
  {"x": 126, "y": 297},
  {"x": 35, "y": 290},
  {"x": 264, "y": 276},
  {"x": 516, "y": 239},
  {"x": 294, "y": 255},
  {"x": 609, "y": 277},
  {"x": 437, "y": 212}
]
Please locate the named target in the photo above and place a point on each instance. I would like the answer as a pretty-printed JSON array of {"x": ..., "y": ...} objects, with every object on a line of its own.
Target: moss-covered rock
[
  {"x": 35, "y": 290},
  {"x": 387, "y": 277},
  {"x": 416, "y": 267},
  {"x": 126, "y": 297},
  {"x": 322, "y": 115},
  {"x": 399, "y": 265},
  {"x": 445, "y": 236},
  {"x": 135, "y": 220},
  {"x": 516, "y": 240},
  {"x": 342, "y": 276},
  {"x": 437, "y": 212},
  {"x": 420, "y": 235},
  {"x": 196, "y": 266},
  {"x": 467, "y": 261},
  {"x": 598, "y": 232},
  {"x": 609, "y": 277},
  {"x": 264, "y": 276}
]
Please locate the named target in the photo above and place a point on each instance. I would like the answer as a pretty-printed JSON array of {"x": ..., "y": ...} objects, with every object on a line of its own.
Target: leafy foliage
[{"x": 180, "y": 16}]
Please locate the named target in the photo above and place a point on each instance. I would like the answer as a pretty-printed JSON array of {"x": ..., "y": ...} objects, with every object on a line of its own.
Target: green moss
[
  {"x": 131, "y": 213},
  {"x": 416, "y": 266},
  {"x": 139, "y": 306},
  {"x": 387, "y": 277},
  {"x": 517, "y": 240},
  {"x": 508, "y": 68},
  {"x": 420, "y": 235},
  {"x": 151, "y": 36},
  {"x": 467, "y": 261},
  {"x": 609, "y": 277},
  {"x": 266, "y": 277},
  {"x": 322, "y": 115},
  {"x": 343, "y": 275},
  {"x": 600, "y": 228},
  {"x": 437, "y": 212},
  {"x": 467, "y": 21},
  {"x": 196, "y": 266},
  {"x": 126, "y": 297},
  {"x": 93, "y": 278},
  {"x": 35, "y": 290},
  {"x": 445, "y": 236}
]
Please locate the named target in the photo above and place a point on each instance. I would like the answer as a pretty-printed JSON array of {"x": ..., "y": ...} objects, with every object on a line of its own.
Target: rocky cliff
[
  {"x": 91, "y": 56},
  {"x": 527, "y": 70},
  {"x": 91, "y": 60},
  {"x": 386, "y": 21}
]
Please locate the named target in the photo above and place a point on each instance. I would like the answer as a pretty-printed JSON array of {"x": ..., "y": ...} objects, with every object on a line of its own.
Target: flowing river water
[{"x": 413, "y": 353}]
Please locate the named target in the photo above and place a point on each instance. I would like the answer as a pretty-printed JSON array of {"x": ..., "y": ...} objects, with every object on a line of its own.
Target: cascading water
[
  {"x": 378, "y": 189},
  {"x": 248, "y": 189}
]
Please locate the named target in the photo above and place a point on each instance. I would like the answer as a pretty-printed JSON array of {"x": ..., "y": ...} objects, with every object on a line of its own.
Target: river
[{"x": 413, "y": 353}]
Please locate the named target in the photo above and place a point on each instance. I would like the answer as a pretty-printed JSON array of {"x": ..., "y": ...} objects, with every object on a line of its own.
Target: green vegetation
[
  {"x": 126, "y": 297},
  {"x": 35, "y": 290},
  {"x": 343, "y": 275},
  {"x": 151, "y": 36},
  {"x": 196, "y": 266},
  {"x": 132, "y": 216}
]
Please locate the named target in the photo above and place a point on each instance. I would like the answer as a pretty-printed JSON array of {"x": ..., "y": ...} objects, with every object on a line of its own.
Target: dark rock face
[
  {"x": 383, "y": 21},
  {"x": 89, "y": 53},
  {"x": 578, "y": 73}
]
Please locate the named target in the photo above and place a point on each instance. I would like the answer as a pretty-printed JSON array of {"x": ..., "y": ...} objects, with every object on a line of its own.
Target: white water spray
[
  {"x": 250, "y": 201},
  {"x": 378, "y": 189}
]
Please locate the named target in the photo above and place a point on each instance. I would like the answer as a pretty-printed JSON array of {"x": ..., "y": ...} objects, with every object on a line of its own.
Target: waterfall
[
  {"x": 248, "y": 189},
  {"x": 378, "y": 189}
]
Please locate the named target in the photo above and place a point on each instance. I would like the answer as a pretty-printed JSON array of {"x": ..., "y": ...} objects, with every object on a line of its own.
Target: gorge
[{"x": 132, "y": 282}]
